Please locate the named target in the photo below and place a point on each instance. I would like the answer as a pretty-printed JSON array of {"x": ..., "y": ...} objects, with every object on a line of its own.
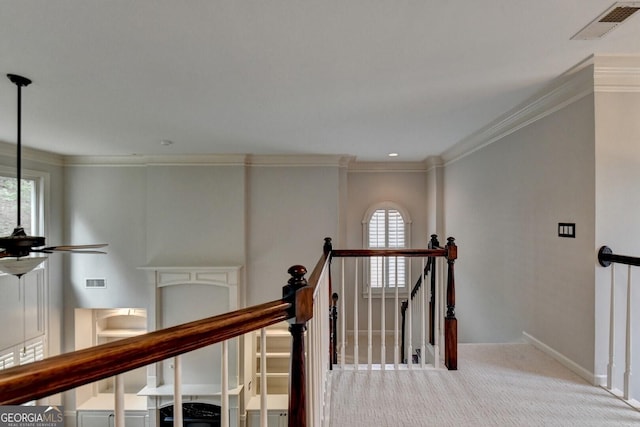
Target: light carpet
[{"x": 496, "y": 385}]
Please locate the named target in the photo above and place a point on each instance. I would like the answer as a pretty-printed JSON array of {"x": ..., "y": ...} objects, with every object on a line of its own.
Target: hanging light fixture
[
  {"x": 17, "y": 249},
  {"x": 21, "y": 263}
]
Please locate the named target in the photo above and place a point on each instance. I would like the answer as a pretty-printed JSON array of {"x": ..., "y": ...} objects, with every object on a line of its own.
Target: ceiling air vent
[
  {"x": 607, "y": 21},
  {"x": 95, "y": 283}
]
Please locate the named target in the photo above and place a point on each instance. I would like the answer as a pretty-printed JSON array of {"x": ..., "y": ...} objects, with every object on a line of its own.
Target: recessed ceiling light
[
  {"x": 166, "y": 142},
  {"x": 393, "y": 154}
]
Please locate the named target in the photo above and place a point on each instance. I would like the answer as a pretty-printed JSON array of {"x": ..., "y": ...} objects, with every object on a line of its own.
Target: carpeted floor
[{"x": 496, "y": 385}]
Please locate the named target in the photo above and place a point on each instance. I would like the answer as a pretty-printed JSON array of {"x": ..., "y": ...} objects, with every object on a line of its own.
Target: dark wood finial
[
  {"x": 297, "y": 273},
  {"x": 334, "y": 297},
  {"x": 296, "y": 282},
  {"x": 452, "y": 249},
  {"x": 328, "y": 245},
  {"x": 434, "y": 243}
]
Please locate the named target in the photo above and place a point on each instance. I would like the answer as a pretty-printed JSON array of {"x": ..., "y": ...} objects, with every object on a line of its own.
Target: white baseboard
[{"x": 597, "y": 380}]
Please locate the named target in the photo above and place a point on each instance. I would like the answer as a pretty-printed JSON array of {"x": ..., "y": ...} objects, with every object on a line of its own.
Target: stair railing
[
  {"x": 414, "y": 304},
  {"x": 301, "y": 299},
  {"x": 358, "y": 269},
  {"x": 606, "y": 258}
]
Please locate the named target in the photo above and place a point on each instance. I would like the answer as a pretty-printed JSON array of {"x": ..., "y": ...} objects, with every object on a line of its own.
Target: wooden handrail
[
  {"x": 389, "y": 252},
  {"x": 66, "y": 371}
]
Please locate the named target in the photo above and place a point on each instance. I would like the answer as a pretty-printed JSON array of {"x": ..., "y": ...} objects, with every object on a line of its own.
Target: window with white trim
[
  {"x": 386, "y": 226},
  {"x": 32, "y": 201}
]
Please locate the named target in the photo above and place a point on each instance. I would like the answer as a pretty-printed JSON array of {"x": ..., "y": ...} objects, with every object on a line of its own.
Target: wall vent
[
  {"x": 607, "y": 21},
  {"x": 95, "y": 283}
]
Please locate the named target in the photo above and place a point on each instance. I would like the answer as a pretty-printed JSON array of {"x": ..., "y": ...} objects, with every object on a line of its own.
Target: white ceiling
[{"x": 356, "y": 77}]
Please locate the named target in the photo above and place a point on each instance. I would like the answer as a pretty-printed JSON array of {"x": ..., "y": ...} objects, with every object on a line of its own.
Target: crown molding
[
  {"x": 251, "y": 160},
  {"x": 601, "y": 73},
  {"x": 620, "y": 73},
  {"x": 31, "y": 154},
  {"x": 157, "y": 160},
  {"x": 570, "y": 87},
  {"x": 433, "y": 162},
  {"x": 360, "y": 167},
  {"x": 293, "y": 160}
]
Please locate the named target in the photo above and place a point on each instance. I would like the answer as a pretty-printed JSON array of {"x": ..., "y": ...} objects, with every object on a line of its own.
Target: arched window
[{"x": 386, "y": 226}]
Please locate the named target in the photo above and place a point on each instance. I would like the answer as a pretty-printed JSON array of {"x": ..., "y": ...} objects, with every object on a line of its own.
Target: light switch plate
[{"x": 567, "y": 229}]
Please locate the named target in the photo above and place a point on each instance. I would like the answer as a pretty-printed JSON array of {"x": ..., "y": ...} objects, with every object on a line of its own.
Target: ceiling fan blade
[
  {"x": 69, "y": 251},
  {"x": 71, "y": 248}
]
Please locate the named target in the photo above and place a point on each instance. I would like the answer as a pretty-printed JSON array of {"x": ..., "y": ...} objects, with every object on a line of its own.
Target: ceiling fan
[{"x": 15, "y": 250}]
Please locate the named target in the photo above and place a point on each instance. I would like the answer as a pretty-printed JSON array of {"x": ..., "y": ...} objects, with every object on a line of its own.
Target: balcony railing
[
  {"x": 607, "y": 258},
  {"x": 304, "y": 304}
]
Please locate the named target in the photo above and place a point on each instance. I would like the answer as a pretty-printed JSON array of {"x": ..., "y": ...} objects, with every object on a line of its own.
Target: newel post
[
  {"x": 300, "y": 296},
  {"x": 333, "y": 326},
  {"x": 450, "y": 321},
  {"x": 431, "y": 265}
]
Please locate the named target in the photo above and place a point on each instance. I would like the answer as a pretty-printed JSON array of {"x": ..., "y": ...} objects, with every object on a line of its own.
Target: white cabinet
[
  {"x": 276, "y": 411},
  {"x": 274, "y": 418},
  {"x": 23, "y": 308},
  {"x": 91, "y": 418}
]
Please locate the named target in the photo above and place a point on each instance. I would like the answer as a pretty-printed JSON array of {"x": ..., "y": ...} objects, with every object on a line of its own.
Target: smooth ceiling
[{"x": 357, "y": 77}]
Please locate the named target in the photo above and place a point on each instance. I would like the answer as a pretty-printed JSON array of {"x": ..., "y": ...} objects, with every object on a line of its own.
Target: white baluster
[
  {"x": 409, "y": 335},
  {"x": 396, "y": 332},
  {"x": 119, "y": 401},
  {"x": 383, "y": 306},
  {"x": 311, "y": 368},
  {"x": 224, "y": 394},
  {"x": 437, "y": 303},
  {"x": 356, "y": 350},
  {"x": 177, "y": 392},
  {"x": 369, "y": 326},
  {"x": 627, "y": 364},
  {"x": 611, "y": 367},
  {"x": 263, "y": 378}
]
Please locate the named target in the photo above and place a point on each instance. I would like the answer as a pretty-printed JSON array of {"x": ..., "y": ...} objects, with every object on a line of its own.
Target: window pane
[
  {"x": 386, "y": 230},
  {"x": 377, "y": 230},
  {"x": 8, "y": 203},
  {"x": 375, "y": 271},
  {"x": 396, "y": 276},
  {"x": 6, "y": 360},
  {"x": 396, "y": 229}
]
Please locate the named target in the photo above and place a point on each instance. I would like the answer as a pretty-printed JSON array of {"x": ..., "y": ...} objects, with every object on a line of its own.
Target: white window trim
[
  {"x": 42, "y": 180},
  {"x": 389, "y": 292}
]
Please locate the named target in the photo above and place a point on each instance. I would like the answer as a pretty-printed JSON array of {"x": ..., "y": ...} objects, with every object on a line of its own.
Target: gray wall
[
  {"x": 266, "y": 218},
  {"x": 503, "y": 203},
  {"x": 290, "y": 211}
]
